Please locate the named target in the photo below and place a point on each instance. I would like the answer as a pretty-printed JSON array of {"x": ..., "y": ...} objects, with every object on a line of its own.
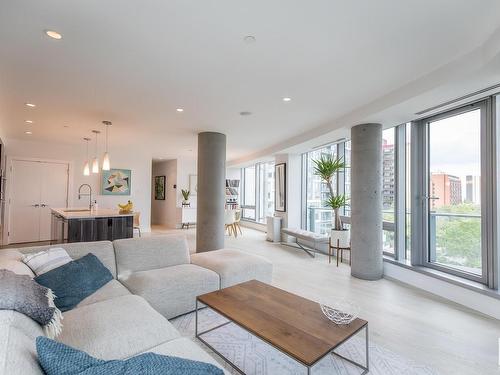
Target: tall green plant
[
  {"x": 185, "y": 194},
  {"x": 326, "y": 168}
]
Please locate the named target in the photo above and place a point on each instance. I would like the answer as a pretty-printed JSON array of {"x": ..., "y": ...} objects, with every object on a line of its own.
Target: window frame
[
  {"x": 420, "y": 183},
  {"x": 258, "y": 167}
]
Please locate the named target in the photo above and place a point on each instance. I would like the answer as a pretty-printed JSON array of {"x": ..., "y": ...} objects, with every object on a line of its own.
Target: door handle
[{"x": 430, "y": 198}]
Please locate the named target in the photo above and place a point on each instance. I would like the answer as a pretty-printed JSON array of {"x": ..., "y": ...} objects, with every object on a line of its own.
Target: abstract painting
[
  {"x": 160, "y": 188},
  {"x": 280, "y": 187},
  {"x": 116, "y": 182}
]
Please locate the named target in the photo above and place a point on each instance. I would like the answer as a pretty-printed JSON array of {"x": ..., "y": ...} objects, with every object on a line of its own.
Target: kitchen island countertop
[{"x": 85, "y": 213}]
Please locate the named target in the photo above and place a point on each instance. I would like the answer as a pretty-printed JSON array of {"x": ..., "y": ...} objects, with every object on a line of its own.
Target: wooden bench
[{"x": 301, "y": 234}]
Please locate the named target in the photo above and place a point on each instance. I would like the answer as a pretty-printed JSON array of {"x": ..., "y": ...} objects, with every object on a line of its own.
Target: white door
[
  {"x": 53, "y": 194},
  {"x": 24, "y": 225},
  {"x": 35, "y": 188}
]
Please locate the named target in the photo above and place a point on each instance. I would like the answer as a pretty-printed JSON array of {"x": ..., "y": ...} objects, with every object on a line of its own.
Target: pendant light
[
  {"x": 86, "y": 166},
  {"x": 95, "y": 161},
  {"x": 105, "y": 158}
]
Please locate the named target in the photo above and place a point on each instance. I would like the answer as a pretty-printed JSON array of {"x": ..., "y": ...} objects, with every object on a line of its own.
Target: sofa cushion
[
  {"x": 111, "y": 290},
  {"x": 17, "y": 352},
  {"x": 101, "y": 249},
  {"x": 115, "y": 329},
  {"x": 185, "y": 348},
  {"x": 57, "y": 358},
  {"x": 234, "y": 266},
  {"x": 12, "y": 260},
  {"x": 141, "y": 254},
  {"x": 75, "y": 281},
  {"x": 172, "y": 290}
]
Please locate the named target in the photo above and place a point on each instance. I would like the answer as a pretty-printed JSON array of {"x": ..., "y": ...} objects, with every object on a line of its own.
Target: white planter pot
[{"x": 342, "y": 236}]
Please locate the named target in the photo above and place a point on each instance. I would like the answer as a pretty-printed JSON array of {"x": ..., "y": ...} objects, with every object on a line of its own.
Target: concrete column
[
  {"x": 366, "y": 201},
  {"x": 211, "y": 191}
]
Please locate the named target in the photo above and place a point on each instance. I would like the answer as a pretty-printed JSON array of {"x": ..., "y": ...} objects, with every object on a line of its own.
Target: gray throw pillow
[{"x": 20, "y": 293}]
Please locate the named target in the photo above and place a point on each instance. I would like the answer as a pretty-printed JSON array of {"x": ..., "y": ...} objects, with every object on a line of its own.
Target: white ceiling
[{"x": 135, "y": 62}]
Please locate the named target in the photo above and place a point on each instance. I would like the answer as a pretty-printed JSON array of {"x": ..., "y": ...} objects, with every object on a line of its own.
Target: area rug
[{"x": 256, "y": 357}]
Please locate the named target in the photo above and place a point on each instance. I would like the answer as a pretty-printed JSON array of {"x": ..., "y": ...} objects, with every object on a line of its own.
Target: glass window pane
[
  {"x": 347, "y": 174},
  {"x": 318, "y": 217},
  {"x": 249, "y": 198},
  {"x": 388, "y": 188},
  {"x": 454, "y": 189},
  {"x": 249, "y": 189},
  {"x": 266, "y": 191},
  {"x": 408, "y": 191}
]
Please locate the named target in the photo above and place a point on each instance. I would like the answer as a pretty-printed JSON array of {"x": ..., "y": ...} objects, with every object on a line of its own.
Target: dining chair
[
  {"x": 229, "y": 218},
  {"x": 237, "y": 219},
  {"x": 137, "y": 223}
]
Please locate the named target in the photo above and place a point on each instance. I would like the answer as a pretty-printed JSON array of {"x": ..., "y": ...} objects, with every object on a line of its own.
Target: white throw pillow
[
  {"x": 11, "y": 260},
  {"x": 46, "y": 260}
]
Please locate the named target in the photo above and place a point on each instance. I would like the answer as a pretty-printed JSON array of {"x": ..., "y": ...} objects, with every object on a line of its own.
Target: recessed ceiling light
[
  {"x": 249, "y": 39},
  {"x": 287, "y": 99},
  {"x": 180, "y": 110},
  {"x": 28, "y": 121},
  {"x": 53, "y": 34},
  {"x": 28, "y": 132},
  {"x": 30, "y": 105},
  {"x": 245, "y": 113}
]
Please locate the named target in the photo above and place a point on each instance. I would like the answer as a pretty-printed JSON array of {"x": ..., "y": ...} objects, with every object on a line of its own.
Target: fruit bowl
[{"x": 344, "y": 312}]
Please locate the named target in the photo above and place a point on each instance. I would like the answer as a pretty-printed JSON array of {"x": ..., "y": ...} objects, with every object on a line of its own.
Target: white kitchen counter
[{"x": 85, "y": 213}]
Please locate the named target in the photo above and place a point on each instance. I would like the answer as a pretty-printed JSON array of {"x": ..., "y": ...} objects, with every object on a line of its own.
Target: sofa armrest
[{"x": 235, "y": 266}]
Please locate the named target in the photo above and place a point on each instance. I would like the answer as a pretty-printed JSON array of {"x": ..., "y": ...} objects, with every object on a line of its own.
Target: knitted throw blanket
[{"x": 22, "y": 294}]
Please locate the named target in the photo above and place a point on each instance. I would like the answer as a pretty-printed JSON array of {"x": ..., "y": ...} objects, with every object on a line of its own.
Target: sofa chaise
[{"x": 155, "y": 279}]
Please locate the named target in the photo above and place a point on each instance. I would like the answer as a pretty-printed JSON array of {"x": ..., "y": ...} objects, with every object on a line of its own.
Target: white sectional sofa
[{"x": 155, "y": 279}]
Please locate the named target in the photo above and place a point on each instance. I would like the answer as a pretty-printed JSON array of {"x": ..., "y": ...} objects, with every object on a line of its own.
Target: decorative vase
[
  {"x": 186, "y": 204},
  {"x": 342, "y": 236}
]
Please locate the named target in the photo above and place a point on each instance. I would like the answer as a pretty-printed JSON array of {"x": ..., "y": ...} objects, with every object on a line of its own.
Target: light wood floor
[{"x": 413, "y": 323}]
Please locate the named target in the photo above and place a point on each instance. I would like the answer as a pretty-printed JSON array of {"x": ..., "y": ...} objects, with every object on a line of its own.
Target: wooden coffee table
[{"x": 292, "y": 324}]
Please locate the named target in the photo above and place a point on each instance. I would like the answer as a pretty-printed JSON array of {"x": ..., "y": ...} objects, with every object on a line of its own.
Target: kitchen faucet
[{"x": 86, "y": 195}]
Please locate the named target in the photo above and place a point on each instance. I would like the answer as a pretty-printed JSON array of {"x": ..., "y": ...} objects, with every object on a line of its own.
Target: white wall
[
  {"x": 186, "y": 166},
  {"x": 163, "y": 212},
  {"x": 463, "y": 296},
  {"x": 137, "y": 159}
]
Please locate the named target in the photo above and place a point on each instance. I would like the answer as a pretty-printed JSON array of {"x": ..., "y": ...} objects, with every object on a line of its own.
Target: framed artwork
[
  {"x": 160, "y": 188},
  {"x": 193, "y": 184},
  {"x": 116, "y": 182},
  {"x": 280, "y": 187}
]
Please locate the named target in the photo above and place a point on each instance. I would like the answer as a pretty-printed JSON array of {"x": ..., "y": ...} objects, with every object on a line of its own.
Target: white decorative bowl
[{"x": 343, "y": 313}]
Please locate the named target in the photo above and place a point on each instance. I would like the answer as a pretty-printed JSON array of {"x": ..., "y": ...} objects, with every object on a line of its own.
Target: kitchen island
[{"x": 84, "y": 225}]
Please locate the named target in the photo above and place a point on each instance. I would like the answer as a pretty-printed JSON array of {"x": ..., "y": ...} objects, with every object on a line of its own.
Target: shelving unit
[{"x": 232, "y": 193}]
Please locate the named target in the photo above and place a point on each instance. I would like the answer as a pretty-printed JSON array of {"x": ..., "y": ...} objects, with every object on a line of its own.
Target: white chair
[
  {"x": 229, "y": 219},
  {"x": 137, "y": 222}
]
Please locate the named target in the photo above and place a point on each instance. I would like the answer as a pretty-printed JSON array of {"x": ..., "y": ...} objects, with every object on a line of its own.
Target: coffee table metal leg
[
  {"x": 366, "y": 368},
  {"x": 196, "y": 320},
  {"x": 367, "y": 359}
]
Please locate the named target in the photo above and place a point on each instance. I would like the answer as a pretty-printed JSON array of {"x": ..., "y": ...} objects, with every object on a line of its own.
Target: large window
[
  {"x": 455, "y": 180},
  {"x": 249, "y": 192},
  {"x": 389, "y": 188},
  {"x": 316, "y": 217},
  {"x": 258, "y": 192}
]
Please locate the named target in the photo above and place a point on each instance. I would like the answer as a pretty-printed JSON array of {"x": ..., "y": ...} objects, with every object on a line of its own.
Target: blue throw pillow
[
  {"x": 59, "y": 359},
  {"x": 75, "y": 281}
]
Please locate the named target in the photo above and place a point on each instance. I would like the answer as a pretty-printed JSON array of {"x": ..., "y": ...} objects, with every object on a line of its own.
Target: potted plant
[
  {"x": 185, "y": 195},
  {"x": 326, "y": 167}
]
